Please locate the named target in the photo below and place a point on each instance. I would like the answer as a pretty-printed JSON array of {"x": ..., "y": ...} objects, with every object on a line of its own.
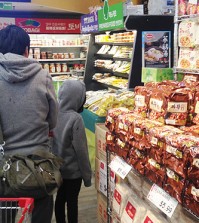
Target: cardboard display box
[
  {"x": 156, "y": 74},
  {"x": 101, "y": 176},
  {"x": 100, "y": 141},
  {"x": 101, "y": 208}
]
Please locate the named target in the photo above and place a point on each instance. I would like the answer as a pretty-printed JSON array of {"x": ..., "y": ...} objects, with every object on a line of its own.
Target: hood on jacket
[
  {"x": 71, "y": 95},
  {"x": 16, "y": 68}
]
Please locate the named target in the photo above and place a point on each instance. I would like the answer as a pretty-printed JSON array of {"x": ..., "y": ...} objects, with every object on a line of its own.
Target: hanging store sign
[
  {"x": 6, "y": 21},
  {"x": 89, "y": 23},
  {"x": 48, "y": 26},
  {"x": 111, "y": 17}
]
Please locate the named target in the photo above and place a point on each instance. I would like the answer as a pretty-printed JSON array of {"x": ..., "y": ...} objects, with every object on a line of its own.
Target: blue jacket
[{"x": 69, "y": 134}]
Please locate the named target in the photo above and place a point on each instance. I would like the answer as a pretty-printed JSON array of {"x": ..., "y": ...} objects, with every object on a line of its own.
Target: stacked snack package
[
  {"x": 187, "y": 7},
  {"x": 177, "y": 107},
  {"x": 191, "y": 198},
  {"x": 101, "y": 101},
  {"x": 159, "y": 136},
  {"x": 122, "y": 129},
  {"x": 158, "y": 105},
  {"x": 110, "y": 142},
  {"x": 176, "y": 162},
  {"x": 196, "y": 109},
  {"x": 112, "y": 115},
  {"x": 140, "y": 144},
  {"x": 115, "y": 144},
  {"x": 142, "y": 95}
]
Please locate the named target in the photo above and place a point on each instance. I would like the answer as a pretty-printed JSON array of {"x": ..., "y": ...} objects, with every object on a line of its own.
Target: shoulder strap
[{"x": 1, "y": 134}]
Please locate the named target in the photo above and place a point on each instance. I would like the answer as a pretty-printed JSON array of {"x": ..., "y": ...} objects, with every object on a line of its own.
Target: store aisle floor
[{"x": 87, "y": 204}]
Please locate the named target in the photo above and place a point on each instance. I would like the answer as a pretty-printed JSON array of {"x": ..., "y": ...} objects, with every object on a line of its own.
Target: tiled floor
[{"x": 87, "y": 204}]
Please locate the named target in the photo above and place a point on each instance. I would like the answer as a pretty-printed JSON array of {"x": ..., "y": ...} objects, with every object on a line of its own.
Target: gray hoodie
[
  {"x": 69, "y": 135},
  {"x": 28, "y": 105}
]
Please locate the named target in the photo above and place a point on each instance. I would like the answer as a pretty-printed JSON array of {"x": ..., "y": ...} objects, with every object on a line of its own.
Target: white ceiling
[{"x": 17, "y": 6}]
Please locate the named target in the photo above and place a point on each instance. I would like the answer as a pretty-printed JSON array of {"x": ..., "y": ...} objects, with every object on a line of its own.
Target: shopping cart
[{"x": 16, "y": 210}]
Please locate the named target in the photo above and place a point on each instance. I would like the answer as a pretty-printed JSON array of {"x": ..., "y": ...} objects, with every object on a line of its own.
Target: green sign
[
  {"x": 111, "y": 17},
  {"x": 6, "y": 6}
]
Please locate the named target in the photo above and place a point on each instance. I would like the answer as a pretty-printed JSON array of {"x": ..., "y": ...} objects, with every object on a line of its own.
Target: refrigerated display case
[{"x": 109, "y": 60}]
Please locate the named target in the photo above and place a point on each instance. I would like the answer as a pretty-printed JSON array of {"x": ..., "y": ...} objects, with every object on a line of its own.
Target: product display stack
[
  {"x": 159, "y": 140},
  {"x": 152, "y": 147}
]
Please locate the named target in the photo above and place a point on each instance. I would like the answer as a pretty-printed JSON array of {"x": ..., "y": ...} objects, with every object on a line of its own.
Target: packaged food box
[{"x": 156, "y": 74}]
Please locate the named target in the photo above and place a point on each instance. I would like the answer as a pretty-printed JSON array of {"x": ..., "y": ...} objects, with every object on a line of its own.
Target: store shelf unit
[
  {"x": 60, "y": 54},
  {"x": 98, "y": 62},
  {"x": 183, "y": 16},
  {"x": 143, "y": 23}
]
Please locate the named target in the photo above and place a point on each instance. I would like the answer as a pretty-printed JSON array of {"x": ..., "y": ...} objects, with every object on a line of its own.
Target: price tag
[
  {"x": 162, "y": 200},
  {"x": 120, "y": 167}
]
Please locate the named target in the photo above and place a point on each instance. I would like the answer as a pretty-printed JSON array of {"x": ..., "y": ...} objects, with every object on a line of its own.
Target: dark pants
[
  {"x": 68, "y": 193},
  {"x": 43, "y": 210}
]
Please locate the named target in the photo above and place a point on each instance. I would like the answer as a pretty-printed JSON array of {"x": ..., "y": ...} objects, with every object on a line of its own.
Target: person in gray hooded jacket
[
  {"x": 71, "y": 144},
  {"x": 28, "y": 104}
]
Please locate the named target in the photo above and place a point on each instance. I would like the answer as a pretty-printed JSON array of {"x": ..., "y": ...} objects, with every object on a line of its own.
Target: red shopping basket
[{"x": 16, "y": 210}]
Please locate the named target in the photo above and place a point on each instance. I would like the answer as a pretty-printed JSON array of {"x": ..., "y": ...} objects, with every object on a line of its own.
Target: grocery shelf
[
  {"x": 118, "y": 74},
  {"x": 184, "y": 17},
  {"x": 109, "y": 85},
  {"x": 55, "y": 60},
  {"x": 67, "y": 46},
  {"x": 104, "y": 56},
  {"x": 187, "y": 71},
  {"x": 61, "y": 73},
  {"x": 124, "y": 75},
  {"x": 122, "y": 59},
  {"x": 115, "y": 43},
  {"x": 110, "y": 56}
]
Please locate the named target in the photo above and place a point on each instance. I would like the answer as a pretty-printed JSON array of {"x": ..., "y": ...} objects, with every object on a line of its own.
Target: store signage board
[
  {"x": 156, "y": 49},
  {"x": 120, "y": 167},
  {"x": 162, "y": 200},
  {"x": 5, "y": 6},
  {"x": 48, "y": 26},
  {"x": 111, "y": 17},
  {"x": 89, "y": 23},
  {"x": 6, "y": 21}
]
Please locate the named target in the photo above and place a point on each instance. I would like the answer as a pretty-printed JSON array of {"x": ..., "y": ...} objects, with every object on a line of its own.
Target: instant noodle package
[
  {"x": 186, "y": 7},
  {"x": 163, "y": 146}
]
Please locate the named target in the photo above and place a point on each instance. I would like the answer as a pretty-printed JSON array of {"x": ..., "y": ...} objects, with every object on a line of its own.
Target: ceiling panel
[{"x": 30, "y": 7}]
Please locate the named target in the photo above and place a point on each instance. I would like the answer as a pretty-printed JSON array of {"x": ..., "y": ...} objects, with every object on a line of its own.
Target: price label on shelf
[
  {"x": 120, "y": 167},
  {"x": 162, "y": 200}
]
